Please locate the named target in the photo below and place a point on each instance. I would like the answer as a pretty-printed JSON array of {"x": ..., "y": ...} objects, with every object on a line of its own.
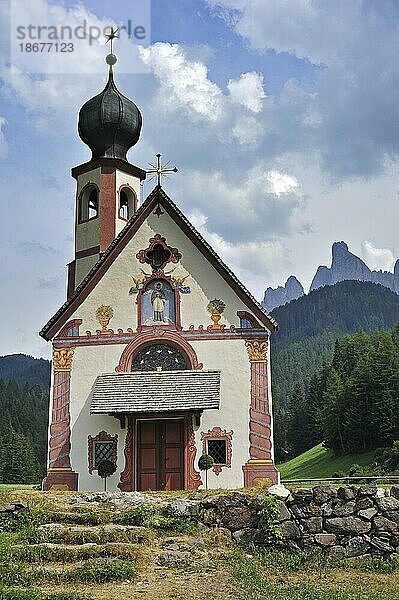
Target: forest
[
  {"x": 23, "y": 432},
  {"x": 351, "y": 402}
]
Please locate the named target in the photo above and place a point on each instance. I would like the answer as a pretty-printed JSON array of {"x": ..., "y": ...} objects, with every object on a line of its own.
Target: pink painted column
[
  {"x": 59, "y": 473},
  {"x": 259, "y": 469}
]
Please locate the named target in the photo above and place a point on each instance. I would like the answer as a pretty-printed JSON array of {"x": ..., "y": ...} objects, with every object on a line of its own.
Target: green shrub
[{"x": 268, "y": 521}]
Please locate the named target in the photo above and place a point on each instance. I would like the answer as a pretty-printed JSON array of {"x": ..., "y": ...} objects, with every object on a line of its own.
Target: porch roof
[{"x": 152, "y": 391}]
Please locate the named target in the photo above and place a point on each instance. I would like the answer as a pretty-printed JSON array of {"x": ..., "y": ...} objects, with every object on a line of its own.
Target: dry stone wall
[{"x": 348, "y": 522}]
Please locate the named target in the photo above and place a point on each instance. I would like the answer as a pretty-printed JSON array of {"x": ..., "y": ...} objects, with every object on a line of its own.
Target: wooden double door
[{"x": 160, "y": 454}]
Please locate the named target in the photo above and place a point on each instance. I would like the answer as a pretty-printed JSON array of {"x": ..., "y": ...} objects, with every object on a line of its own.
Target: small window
[
  {"x": 88, "y": 204},
  {"x": 103, "y": 451},
  {"x": 126, "y": 203},
  {"x": 102, "y": 447},
  {"x": 245, "y": 324},
  {"x": 218, "y": 450},
  {"x": 247, "y": 320}
]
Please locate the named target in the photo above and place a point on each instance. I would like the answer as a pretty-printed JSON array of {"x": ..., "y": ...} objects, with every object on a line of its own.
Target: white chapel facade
[{"x": 160, "y": 354}]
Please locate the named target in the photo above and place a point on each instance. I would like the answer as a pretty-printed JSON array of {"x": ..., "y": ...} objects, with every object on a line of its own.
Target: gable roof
[{"x": 157, "y": 196}]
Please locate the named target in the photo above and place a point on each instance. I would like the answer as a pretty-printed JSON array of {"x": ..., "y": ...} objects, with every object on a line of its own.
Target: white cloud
[
  {"x": 248, "y": 131},
  {"x": 184, "y": 83},
  {"x": 281, "y": 183},
  {"x": 377, "y": 258},
  {"x": 49, "y": 83},
  {"x": 348, "y": 111},
  {"x": 256, "y": 264},
  {"x": 248, "y": 91},
  {"x": 259, "y": 206}
]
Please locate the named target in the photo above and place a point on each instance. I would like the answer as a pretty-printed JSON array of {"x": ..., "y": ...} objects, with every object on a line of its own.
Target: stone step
[{"x": 98, "y": 534}]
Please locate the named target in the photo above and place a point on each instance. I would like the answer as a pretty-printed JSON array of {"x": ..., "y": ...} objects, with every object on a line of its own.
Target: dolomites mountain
[
  {"x": 345, "y": 266},
  {"x": 282, "y": 295}
]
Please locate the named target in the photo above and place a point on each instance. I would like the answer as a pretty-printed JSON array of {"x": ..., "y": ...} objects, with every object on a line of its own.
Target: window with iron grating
[
  {"x": 103, "y": 451},
  {"x": 218, "y": 450}
]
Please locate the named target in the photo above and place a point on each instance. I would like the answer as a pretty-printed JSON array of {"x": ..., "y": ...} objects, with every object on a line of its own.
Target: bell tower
[{"x": 108, "y": 186}]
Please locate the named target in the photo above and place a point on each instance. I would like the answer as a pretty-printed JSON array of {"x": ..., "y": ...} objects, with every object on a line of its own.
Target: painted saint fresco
[{"x": 158, "y": 304}]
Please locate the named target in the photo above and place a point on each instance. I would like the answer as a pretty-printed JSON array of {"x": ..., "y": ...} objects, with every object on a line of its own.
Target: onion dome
[{"x": 109, "y": 123}]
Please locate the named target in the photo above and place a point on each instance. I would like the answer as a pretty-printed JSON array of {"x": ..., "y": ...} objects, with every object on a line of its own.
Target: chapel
[{"x": 159, "y": 354}]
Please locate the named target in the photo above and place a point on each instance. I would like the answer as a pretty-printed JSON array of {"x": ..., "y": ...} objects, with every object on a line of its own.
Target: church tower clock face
[{"x": 159, "y": 357}]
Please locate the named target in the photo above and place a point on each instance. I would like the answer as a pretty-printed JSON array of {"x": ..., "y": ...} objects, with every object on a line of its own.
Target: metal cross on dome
[
  {"x": 111, "y": 34},
  {"x": 160, "y": 170}
]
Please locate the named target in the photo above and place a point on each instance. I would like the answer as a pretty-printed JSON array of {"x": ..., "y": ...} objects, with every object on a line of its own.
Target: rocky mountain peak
[{"x": 345, "y": 266}]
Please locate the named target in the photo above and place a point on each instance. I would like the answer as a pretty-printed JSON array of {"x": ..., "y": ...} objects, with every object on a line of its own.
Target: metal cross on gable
[{"x": 160, "y": 170}]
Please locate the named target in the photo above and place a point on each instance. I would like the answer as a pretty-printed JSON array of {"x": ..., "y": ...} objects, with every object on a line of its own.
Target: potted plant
[
  {"x": 104, "y": 314},
  {"x": 105, "y": 469},
  {"x": 205, "y": 463},
  {"x": 216, "y": 307}
]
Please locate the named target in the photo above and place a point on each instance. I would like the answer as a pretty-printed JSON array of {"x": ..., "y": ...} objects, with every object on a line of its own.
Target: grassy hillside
[{"x": 319, "y": 462}]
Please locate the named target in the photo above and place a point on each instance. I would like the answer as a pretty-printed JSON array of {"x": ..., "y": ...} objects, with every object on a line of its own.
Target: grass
[
  {"x": 320, "y": 463},
  {"x": 10, "y": 487},
  {"x": 271, "y": 575}
]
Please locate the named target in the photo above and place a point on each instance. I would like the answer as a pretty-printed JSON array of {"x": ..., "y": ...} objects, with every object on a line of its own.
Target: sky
[{"x": 282, "y": 117}]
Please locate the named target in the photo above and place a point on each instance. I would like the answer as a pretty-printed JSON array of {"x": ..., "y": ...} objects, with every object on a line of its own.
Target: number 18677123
[{"x": 46, "y": 47}]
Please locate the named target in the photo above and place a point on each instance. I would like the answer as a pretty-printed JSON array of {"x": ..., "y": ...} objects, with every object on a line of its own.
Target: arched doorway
[{"x": 160, "y": 447}]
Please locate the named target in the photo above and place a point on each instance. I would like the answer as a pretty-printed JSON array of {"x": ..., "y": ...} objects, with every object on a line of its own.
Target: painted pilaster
[
  {"x": 59, "y": 473},
  {"x": 260, "y": 469}
]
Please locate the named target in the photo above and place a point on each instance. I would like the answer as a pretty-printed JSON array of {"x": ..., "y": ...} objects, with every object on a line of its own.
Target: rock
[
  {"x": 382, "y": 545},
  {"x": 368, "y": 513},
  {"x": 208, "y": 502},
  {"x": 343, "y": 509},
  {"x": 197, "y": 543},
  {"x": 238, "y": 518},
  {"x": 281, "y": 295},
  {"x": 198, "y": 496},
  {"x": 308, "y": 542},
  {"x": 395, "y": 492},
  {"x": 284, "y": 513},
  {"x": 167, "y": 559},
  {"x": 370, "y": 489},
  {"x": 13, "y": 508},
  {"x": 364, "y": 503},
  {"x": 323, "y": 494},
  {"x": 172, "y": 547},
  {"x": 279, "y": 490},
  {"x": 392, "y": 515},
  {"x": 347, "y": 492},
  {"x": 179, "y": 508},
  {"x": 53, "y": 528},
  {"x": 347, "y": 525},
  {"x": 313, "y": 525},
  {"x": 299, "y": 512},
  {"x": 337, "y": 552},
  {"x": 381, "y": 523},
  {"x": 325, "y": 539},
  {"x": 344, "y": 266},
  {"x": 388, "y": 503},
  {"x": 243, "y": 536},
  {"x": 290, "y": 530},
  {"x": 360, "y": 558},
  {"x": 357, "y": 546},
  {"x": 226, "y": 501},
  {"x": 302, "y": 496}
]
